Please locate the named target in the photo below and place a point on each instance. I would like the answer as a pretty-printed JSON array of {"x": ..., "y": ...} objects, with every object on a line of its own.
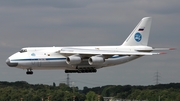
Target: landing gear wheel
[
  {"x": 82, "y": 70},
  {"x": 29, "y": 72}
]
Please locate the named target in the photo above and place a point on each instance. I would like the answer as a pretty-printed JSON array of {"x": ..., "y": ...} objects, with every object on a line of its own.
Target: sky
[{"x": 26, "y": 23}]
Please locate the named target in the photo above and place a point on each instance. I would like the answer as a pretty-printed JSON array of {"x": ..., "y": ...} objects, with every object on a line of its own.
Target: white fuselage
[{"x": 49, "y": 58}]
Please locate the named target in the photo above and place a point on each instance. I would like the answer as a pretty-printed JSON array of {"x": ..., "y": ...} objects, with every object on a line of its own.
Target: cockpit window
[{"x": 23, "y": 50}]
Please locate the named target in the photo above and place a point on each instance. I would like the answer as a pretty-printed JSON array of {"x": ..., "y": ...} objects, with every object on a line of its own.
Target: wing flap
[{"x": 101, "y": 52}]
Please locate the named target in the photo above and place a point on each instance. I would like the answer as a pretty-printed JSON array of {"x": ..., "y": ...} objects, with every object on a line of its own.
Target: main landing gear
[
  {"x": 29, "y": 72},
  {"x": 82, "y": 70}
]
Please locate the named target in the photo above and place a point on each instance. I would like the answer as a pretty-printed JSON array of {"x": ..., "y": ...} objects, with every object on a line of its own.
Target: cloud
[
  {"x": 164, "y": 7},
  {"x": 52, "y": 3},
  {"x": 26, "y": 23}
]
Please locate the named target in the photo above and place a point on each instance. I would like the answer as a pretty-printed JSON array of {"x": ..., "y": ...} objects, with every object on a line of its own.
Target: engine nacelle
[
  {"x": 96, "y": 60},
  {"x": 73, "y": 59}
]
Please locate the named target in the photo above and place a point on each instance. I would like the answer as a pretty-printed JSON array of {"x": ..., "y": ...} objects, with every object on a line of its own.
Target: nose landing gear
[{"x": 29, "y": 72}]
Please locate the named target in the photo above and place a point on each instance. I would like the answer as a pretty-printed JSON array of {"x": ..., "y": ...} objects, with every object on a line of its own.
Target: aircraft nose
[{"x": 11, "y": 64}]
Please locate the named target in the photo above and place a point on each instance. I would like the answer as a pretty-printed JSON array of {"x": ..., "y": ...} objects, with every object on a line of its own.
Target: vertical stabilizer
[{"x": 140, "y": 35}]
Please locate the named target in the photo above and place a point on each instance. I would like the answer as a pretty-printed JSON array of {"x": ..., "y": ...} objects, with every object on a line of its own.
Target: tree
[
  {"x": 91, "y": 96},
  {"x": 54, "y": 84},
  {"x": 64, "y": 87}
]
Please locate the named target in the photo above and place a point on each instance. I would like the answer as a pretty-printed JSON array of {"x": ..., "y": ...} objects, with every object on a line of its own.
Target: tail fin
[{"x": 140, "y": 34}]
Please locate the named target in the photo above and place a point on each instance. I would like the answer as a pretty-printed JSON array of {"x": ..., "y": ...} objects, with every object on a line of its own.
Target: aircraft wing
[{"x": 102, "y": 52}]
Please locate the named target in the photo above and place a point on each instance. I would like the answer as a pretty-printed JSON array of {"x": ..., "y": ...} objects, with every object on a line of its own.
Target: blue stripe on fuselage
[
  {"x": 53, "y": 58},
  {"x": 38, "y": 59}
]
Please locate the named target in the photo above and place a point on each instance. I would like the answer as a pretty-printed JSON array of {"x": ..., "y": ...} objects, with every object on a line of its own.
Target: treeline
[
  {"x": 162, "y": 92},
  {"x": 22, "y": 91}
]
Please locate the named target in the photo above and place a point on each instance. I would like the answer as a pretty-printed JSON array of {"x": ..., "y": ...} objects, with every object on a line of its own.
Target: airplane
[{"x": 86, "y": 59}]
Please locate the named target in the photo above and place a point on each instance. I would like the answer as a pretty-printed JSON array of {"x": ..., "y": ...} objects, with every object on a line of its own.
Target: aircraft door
[
  {"x": 39, "y": 62},
  {"x": 35, "y": 61}
]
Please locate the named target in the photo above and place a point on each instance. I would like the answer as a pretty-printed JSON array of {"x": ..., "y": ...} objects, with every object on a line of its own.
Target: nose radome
[{"x": 11, "y": 64}]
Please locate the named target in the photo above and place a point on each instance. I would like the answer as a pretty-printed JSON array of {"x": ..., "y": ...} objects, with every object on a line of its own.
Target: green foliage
[
  {"x": 166, "y": 92},
  {"x": 91, "y": 96},
  {"x": 14, "y": 91},
  {"x": 22, "y": 90}
]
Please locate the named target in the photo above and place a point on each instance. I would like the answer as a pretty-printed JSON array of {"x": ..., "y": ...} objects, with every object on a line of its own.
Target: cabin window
[{"x": 23, "y": 50}]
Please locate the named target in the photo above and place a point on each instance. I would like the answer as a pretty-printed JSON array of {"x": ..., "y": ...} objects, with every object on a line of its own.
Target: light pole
[
  {"x": 73, "y": 91},
  {"x": 99, "y": 96},
  {"x": 159, "y": 98},
  {"x": 48, "y": 98},
  {"x": 74, "y": 98}
]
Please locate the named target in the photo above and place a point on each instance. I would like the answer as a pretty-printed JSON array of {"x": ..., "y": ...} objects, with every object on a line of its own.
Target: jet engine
[
  {"x": 73, "y": 59},
  {"x": 96, "y": 60}
]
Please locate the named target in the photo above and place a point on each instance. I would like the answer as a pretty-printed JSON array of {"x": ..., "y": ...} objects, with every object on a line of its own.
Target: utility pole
[
  {"x": 157, "y": 76},
  {"x": 67, "y": 79}
]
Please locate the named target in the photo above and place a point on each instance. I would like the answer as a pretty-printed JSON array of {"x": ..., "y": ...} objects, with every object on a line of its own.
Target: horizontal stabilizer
[
  {"x": 155, "y": 49},
  {"x": 163, "y": 48}
]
